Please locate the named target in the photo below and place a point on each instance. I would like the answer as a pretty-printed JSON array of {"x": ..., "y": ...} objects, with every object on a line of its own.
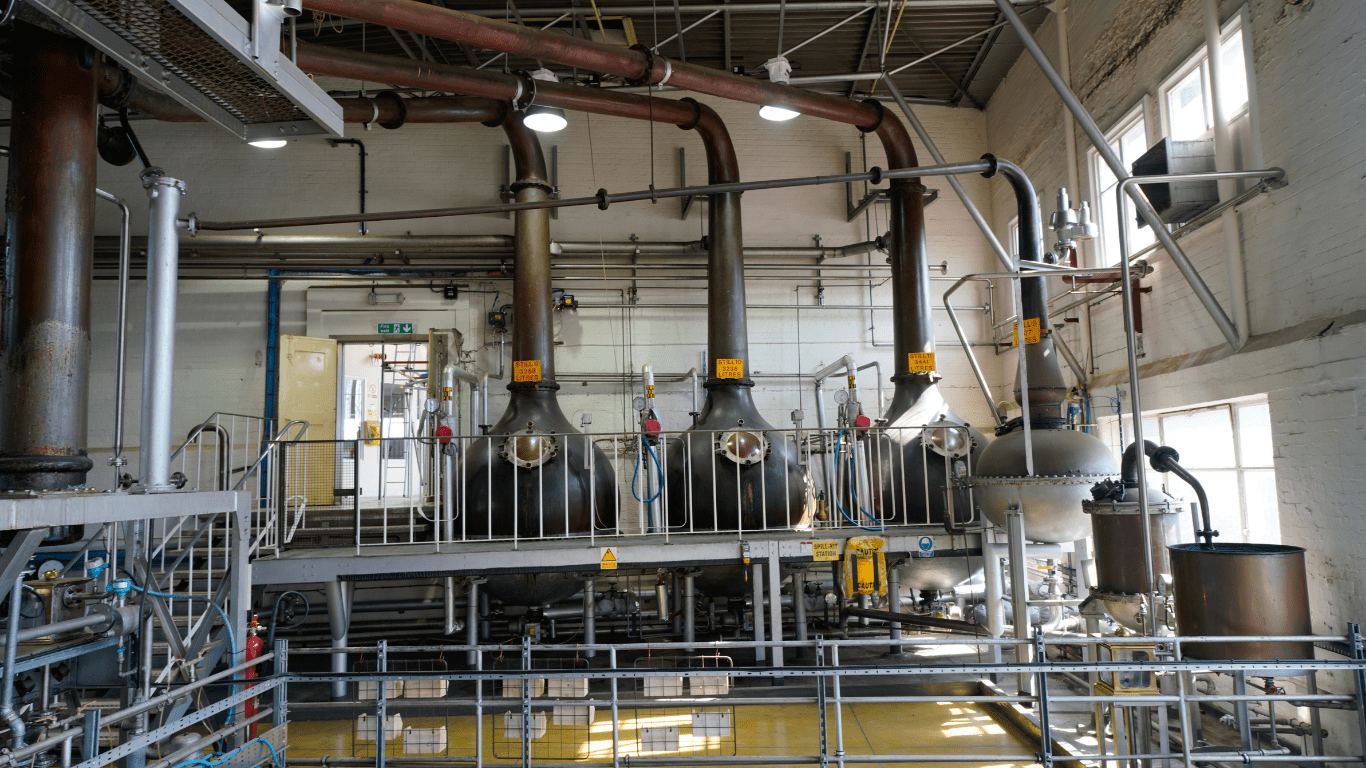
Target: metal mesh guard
[{"x": 167, "y": 36}]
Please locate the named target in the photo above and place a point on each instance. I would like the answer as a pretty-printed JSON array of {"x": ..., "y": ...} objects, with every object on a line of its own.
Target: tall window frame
[
  {"x": 1129, "y": 137},
  {"x": 1190, "y": 81},
  {"x": 1228, "y": 446}
]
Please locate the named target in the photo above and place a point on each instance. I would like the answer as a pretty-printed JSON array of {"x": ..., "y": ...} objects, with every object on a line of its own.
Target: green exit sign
[{"x": 395, "y": 327}]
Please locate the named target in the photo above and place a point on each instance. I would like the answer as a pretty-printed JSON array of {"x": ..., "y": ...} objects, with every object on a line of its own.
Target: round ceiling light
[
  {"x": 777, "y": 114},
  {"x": 545, "y": 119}
]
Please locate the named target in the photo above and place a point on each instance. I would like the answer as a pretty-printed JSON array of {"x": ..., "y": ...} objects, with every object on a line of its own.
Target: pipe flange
[
  {"x": 988, "y": 481},
  {"x": 993, "y": 162},
  {"x": 881, "y": 114},
  {"x": 604, "y": 199},
  {"x": 915, "y": 376},
  {"x": 914, "y": 187},
  {"x": 192, "y": 224},
  {"x": 543, "y": 385},
  {"x": 119, "y": 97},
  {"x": 155, "y": 177},
  {"x": 648, "y": 71},
  {"x": 1112, "y": 507},
  {"x": 400, "y": 103},
  {"x": 526, "y": 92},
  {"x": 521, "y": 184},
  {"x": 727, "y": 383},
  {"x": 696, "y": 113}
]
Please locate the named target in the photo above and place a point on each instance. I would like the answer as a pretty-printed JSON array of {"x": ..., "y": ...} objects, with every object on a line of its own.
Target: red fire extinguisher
[{"x": 255, "y": 647}]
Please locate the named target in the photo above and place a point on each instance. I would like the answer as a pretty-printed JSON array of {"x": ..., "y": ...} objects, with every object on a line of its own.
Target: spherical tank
[
  {"x": 730, "y": 472},
  {"x": 1067, "y": 463},
  {"x": 532, "y": 477}
]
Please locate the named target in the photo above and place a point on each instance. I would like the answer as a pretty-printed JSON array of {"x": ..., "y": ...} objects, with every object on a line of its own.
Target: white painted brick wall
[
  {"x": 223, "y": 323},
  {"x": 1302, "y": 246}
]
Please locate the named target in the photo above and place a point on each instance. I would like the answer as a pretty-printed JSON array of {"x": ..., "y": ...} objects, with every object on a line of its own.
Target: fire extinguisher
[{"x": 255, "y": 647}]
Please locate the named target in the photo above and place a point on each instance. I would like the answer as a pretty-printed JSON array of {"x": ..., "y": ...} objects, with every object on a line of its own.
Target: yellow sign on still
[
  {"x": 609, "y": 560},
  {"x": 1032, "y": 333},
  {"x": 526, "y": 370},
  {"x": 730, "y": 369},
  {"x": 920, "y": 362}
]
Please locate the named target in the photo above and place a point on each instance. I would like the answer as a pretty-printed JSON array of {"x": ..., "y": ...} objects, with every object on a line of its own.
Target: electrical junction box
[{"x": 1181, "y": 201}]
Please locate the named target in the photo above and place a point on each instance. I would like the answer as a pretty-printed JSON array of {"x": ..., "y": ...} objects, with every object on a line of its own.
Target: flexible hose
[{"x": 853, "y": 491}]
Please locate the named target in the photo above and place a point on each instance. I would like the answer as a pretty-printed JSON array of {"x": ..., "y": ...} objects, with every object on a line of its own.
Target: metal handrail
[{"x": 302, "y": 434}]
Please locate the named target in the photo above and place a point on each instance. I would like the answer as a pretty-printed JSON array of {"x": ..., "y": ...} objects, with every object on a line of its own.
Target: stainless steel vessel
[{"x": 1242, "y": 589}]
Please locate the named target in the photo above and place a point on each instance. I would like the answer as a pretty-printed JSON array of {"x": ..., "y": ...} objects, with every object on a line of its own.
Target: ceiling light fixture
[
  {"x": 779, "y": 70},
  {"x": 540, "y": 118},
  {"x": 268, "y": 143},
  {"x": 777, "y": 114}
]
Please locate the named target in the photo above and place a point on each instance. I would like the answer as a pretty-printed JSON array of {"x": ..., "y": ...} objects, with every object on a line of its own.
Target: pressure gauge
[
  {"x": 841, "y": 396},
  {"x": 638, "y": 404},
  {"x": 432, "y": 405}
]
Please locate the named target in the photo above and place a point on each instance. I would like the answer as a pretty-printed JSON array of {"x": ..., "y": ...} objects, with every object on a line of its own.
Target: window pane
[
  {"x": 1263, "y": 513},
  {"x": 1186, "y": 106},
  {"x": 1140, "y": 237},
  {"x": 1204, "y": 438},
  {"x": 1254, "y": 435},
  {"x": 1233, "y": 93},
  {"x": 1133, "y": 143},
  {"x": 1109, "y": 225},
  {"x": 1221, "y": 486}
]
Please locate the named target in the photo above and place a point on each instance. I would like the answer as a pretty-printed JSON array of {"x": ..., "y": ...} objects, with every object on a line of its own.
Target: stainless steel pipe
[{"x": 158, "y": 351}]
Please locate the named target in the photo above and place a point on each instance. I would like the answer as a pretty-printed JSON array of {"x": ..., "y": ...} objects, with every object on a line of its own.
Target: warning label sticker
[
  {"x": 730, "y": 369},
  {"x": 526, "y": 370},
  {"x": 608, "y": 562},
  {"x": 1032, "y": 334},
  {"x": 825, "y": 551},
  {"x": 920, "y": 362}
]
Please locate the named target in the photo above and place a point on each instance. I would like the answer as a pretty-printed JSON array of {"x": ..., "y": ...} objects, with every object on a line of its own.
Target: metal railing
[
  {"x": 1096, "y": 700},
  {"x": 337, "y": 493}
]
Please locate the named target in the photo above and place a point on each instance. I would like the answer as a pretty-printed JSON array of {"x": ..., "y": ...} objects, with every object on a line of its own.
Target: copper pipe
[
  {"x": 51, "y": 219},
  {"x": 909, "y": 260}
]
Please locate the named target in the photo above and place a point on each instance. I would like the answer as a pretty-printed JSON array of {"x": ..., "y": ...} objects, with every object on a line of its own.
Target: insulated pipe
[
  {"x": 158, "y": 355},
  {"x": 590, "y": 615},
  {"x": 472, "y": 620},
  {"x": 50, "y": 219}
]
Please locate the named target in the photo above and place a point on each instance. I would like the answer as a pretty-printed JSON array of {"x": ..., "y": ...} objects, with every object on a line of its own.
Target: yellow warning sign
[
  {"x": 825, "y": 551},
  {"x": 609, "y": 560},
  {"x": 526, "y": 370},
  {"x": 1032, "y": 334},
  {"x": 730, "y": 369},
  {"x": 920, "y": 362}
]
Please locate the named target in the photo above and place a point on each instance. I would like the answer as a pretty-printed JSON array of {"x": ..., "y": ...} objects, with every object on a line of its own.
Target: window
[
  {"x": 1129, "y": 140},
  {"x": 1187, "y": 109},
  {"x": 1228, "y": 448}
]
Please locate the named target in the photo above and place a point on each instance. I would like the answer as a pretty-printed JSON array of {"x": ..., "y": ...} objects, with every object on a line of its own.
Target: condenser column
[
  {"x": 50, "y": 220},
  {"x": 158, "y": 355}
]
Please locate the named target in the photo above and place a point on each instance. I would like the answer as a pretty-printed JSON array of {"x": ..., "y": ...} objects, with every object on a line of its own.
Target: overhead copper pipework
[
  {"x": 916, "y": 400},
  {"x": 728, "y": 403}
]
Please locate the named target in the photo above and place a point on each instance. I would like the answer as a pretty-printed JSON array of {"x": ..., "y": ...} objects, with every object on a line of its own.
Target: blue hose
[
  {"x": 212, "y": 762},
  {"x": 839, "y": 443},
  {"x": 227, "y": 625},
  {"x": 649, "y": 503}
]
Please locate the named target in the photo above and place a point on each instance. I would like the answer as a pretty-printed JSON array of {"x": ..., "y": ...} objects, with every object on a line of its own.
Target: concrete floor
[{"x": 760, "y": 730}]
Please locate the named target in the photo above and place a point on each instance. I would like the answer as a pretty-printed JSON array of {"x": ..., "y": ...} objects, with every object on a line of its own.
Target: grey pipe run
[
  {"x": 121, "y": 332},
  {"x": 158, "y": 356},
  {"x": 7, "y": 713},
  {"x": 488, "y": 245},
  {"x": 603, "y": 199}
]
